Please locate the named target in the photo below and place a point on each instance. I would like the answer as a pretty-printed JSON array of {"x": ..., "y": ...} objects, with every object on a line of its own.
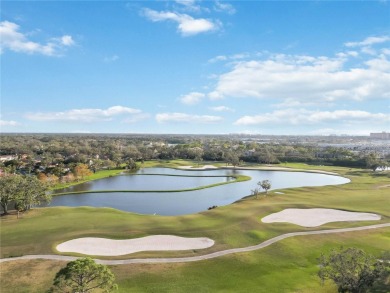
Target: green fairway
[{"x": 289, "y": 265}]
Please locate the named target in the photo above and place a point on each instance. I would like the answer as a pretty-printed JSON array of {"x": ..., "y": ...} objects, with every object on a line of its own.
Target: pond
[{"x": 181, "y": 203}]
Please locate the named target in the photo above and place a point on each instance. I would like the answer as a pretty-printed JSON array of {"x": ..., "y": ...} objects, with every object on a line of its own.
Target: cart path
[{"x": 200, "y": 257}]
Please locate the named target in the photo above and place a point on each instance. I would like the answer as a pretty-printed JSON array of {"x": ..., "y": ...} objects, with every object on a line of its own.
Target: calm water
[
  {"x": 147, "y": 181},
  {"x": 180, "y": 203}
]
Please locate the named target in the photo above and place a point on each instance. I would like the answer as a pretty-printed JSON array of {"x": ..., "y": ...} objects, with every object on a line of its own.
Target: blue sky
[{"x": 213, "y": 67}]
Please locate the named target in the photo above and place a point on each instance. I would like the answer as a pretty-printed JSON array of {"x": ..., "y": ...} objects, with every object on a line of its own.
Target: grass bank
[
  {"x": 95, "y": 176},
  {"x": 237, "y": 178}
]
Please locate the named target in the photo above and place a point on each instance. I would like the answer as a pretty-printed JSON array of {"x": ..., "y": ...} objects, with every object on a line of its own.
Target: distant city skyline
[{"x": 197, "y": 67}]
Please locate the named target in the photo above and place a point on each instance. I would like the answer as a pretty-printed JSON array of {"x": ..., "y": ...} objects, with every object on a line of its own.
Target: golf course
[{"x": 288, "y": 264}]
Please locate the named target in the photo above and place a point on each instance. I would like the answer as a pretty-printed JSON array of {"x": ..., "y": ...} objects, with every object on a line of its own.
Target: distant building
[{"x": 380, "y": 135}]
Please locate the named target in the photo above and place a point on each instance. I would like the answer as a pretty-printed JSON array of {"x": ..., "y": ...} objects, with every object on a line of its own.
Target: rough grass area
[{"x": 287, "y": 266}]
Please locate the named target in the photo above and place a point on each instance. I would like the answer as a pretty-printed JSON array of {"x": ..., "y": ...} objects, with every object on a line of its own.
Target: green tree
[
  {"x": 372, "y": 161},
  {"x": 84, "y": 275},
  {"x": 31, "y": 192},
  {"x": 23, "y": 191},
  {"x": 197, "y": 154},
  {"x": 131, "y": 164},
  {"x": 265, "y": 184},
  {"x": 232, "y": 158},
  {"x": 9, "y": 187},
  {"x": 351, "y": 269}
]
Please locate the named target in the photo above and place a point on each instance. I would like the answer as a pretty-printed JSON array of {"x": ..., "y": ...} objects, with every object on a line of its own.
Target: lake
[{"x": 181, "y": 203}]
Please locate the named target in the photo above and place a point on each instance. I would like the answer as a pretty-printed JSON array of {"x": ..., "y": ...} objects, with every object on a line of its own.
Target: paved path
[{"x": 200, "y": 257}]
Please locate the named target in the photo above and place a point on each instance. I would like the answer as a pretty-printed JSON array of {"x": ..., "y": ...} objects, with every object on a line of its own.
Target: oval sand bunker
[
  {"x": 317, "y": 217},
  {"x": 109, "y": 247}
]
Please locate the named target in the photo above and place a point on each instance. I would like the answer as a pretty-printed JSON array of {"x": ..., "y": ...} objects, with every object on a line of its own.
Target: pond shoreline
[
  {"x": 237, "y": 178},
  {"x": 144, "y": 195},
  {"x": 117, "y": 172}
]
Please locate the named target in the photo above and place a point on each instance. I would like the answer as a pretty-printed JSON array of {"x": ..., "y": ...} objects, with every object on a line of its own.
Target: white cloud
[
  {"x": 221, "y": 109},
  {"x": 368, "y": 41},
  {"x": 9, "y": 123},
  {"x": 12, "y": 39},
  {"x": 303, "y": 116},
  {"x": 67, "y": 40},
  {"x": 347, "y": 54},
  {"x": 304, "y": 78},
  {"x": 112, "y": 58},
  {"x": 218, "y": 58},
  {"x": 189, "y": 5},
  {"x": 225, "y": 7},
  {"x": 290, "y": 103},
  {"x": 83, "y": 115},
  {"x": 386, "y": 51},
  {"x": 232, "y": 57},
  {"x": 186, "y": 2},
  {"x": 186, "y": 118},
  {"x": 136, "y": 118},
  {"x": 368, "y": 50},
  {"x": 379, "y": 64},
  {"x": 215, "y": 95},
  {"x": 366, "y": 46},
  {"x": 187, "y": 25},
  {"x": 192, "y": 98}
]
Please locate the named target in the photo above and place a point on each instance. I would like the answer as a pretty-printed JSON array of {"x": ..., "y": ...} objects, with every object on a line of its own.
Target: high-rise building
[{"x": 380, "y": 135}]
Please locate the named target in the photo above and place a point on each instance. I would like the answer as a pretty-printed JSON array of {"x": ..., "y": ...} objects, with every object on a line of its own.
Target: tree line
[{"x": 56, "y": 155}]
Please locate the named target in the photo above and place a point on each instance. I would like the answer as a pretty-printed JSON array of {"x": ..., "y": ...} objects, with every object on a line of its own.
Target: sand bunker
[
  {"x": 109, "y": 247},
  {"x": 198, "y": 168},
  {"x": 317, "y": 217}
]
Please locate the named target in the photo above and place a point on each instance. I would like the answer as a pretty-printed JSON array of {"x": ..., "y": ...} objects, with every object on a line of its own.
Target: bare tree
[{"x": 265, "y": 184}]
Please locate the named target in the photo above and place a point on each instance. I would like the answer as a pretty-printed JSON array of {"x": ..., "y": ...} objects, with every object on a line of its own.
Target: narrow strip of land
[{"x": 200, "y": 257}]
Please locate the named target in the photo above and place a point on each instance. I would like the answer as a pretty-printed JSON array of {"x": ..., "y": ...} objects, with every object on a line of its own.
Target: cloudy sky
[{"x": 188, "y": 66}]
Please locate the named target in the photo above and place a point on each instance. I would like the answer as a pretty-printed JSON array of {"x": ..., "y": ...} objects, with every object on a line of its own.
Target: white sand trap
[
  {"x": 198, "y": 168},
  {"x": 317, "y": 217},
  {"x": 109, "y": 247}
]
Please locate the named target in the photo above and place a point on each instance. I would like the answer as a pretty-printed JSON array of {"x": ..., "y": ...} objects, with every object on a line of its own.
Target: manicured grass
[{"x": 289, "y": 265}]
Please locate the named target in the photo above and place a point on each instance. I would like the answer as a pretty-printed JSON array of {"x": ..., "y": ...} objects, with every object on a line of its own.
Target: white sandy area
[
  {"x": 317, "y": 217},
  {"x": 109, "y": 247},
  {"x": 198, "y": 168}
]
